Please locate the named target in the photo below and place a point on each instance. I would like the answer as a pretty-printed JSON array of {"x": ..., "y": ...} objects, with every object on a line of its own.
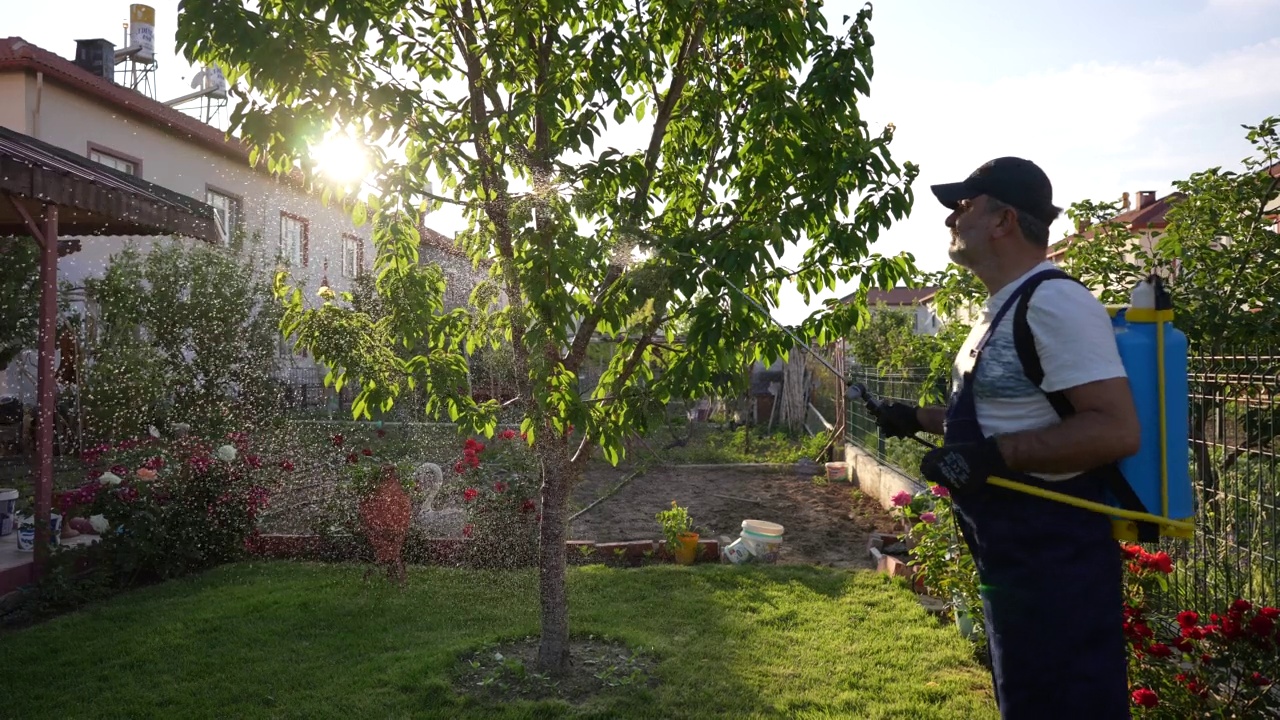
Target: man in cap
[{"x": 1039, "y": 395}]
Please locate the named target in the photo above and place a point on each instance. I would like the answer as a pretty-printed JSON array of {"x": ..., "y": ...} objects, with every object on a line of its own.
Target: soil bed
[{"x": 826, "y": 523}]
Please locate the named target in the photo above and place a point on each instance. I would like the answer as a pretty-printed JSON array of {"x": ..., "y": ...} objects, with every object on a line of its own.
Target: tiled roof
[
  {"x": 1151, "y": 217},
  {"x": 18, "y": 54}
]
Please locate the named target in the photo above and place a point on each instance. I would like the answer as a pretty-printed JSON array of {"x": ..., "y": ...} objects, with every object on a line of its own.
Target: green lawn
[{"x": 285, "y": 640}]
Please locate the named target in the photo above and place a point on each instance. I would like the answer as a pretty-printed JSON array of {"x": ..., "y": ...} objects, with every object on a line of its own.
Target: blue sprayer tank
[{"x": 1137, "y": 328}]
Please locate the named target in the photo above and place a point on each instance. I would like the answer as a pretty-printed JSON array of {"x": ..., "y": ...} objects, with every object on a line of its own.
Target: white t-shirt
[{"x": 1075, "y": 341}]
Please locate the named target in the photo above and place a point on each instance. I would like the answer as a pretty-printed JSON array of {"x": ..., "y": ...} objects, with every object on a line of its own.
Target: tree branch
[{"x": 680, "y": 77}]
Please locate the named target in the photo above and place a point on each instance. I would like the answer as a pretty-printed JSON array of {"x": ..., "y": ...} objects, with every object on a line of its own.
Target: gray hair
[{"x": 1034, "y": 230}]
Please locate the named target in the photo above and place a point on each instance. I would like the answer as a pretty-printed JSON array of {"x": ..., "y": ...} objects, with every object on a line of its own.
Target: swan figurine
[{"x": 447, "y": 522}]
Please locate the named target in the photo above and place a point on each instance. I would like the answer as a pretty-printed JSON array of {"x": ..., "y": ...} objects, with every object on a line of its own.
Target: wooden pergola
[{"x": 45, "y": 192}]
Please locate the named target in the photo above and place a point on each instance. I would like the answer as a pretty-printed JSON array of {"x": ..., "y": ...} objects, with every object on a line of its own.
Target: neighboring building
[
  {"x": 914, "y": 301},
  {"x": 1147, "y": 220},
  {"x": 78, "y": 106}
]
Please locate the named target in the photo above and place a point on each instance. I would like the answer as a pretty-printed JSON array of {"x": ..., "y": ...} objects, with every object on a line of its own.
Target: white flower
[
  {"x": 154, "y": 431},
  {"x": 99, "y": 523},
  {"x": 110, "y": 479},
  {"x": 226, "y": 453},
  {"x": 325, "y": 292}
]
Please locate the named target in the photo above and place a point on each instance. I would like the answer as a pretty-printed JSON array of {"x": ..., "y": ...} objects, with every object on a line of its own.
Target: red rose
[
  {"x": 459, "y": 468},
  {"x": 366, "y": 452},
  {"x": 470, "y": 494},
  {"x": 468, "y": 529},
  {"x": 1161, "y": 562},
  {"x": 286, "y": 466},
  {"x": 382, "y": 433},
  {"x": 508, "y": 434},
  {"x": 1132, "y": 552},
  {"x": 1273, "y": 613},
  {"x": 528, "y": 505},
  {"x": 1142, "y": 697},
  {"x": 1260, "y": 680},
  {"x": 1183, "y": 645},
  {"x": 337, "y": 440},
  {"x": 1262, "y": 625},
  {"x": 253, "y": 461},
  {"x": 1206, "y": 658},
  {"x": 524, "y": 436},
  {"x": 1188, "y": 618},
  {"x": 1241, "y": 606},
  {"x": 353, "y": 458},
  {"x": 1160, "y": 650},
  {"x": 499, "y": 487}
]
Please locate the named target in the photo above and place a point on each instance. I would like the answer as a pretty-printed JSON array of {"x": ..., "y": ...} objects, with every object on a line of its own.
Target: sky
[{"x": 1107, "y": 97}]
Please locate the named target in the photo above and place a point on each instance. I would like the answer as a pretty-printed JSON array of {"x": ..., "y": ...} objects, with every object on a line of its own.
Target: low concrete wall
[{"x": 875, "y": 479}]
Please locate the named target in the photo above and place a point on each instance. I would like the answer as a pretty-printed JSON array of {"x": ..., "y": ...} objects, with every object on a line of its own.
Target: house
[
  {"x": 913, "y": 301},
  {"x": 1147, "y": 220},
  {"x": 78, "y": 105}
]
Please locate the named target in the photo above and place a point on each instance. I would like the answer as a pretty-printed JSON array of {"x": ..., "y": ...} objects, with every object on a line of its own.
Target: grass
[{"x": 285, "y": 640}]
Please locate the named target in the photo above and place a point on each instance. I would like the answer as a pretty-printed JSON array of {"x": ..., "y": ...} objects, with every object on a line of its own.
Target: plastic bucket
[
  {"x": 27, "y": 532},
  {"x": 837, "y": 471},
  {"x": 8, "y": 509},
  {"x": 763, "y": 539}
]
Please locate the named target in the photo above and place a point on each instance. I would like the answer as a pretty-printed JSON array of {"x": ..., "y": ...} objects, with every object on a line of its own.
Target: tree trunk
[
  {"x": 794, "y": 399},
  {"x": 557, "y": 476}
]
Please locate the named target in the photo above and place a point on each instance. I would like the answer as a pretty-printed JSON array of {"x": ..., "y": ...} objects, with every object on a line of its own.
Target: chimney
[
  {"x": 1146, "y": 198},
  {"x": 98, "y": 56}
]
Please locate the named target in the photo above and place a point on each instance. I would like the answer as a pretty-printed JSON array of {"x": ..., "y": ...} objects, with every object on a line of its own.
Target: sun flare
[{"x": 341, "y": 157}]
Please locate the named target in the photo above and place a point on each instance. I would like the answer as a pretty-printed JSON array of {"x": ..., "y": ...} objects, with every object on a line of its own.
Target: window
[
  {"x": 293, "y": 239},
  {"x": 115, "y": 160},
  {"x": 227, "y": 208},
  {"x": 352, "y": 256}
]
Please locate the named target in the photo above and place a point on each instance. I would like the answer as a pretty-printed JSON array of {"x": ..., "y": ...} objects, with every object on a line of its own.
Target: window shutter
[
  {"x": 306, "y": 243},
  {"x": 359, "y": 257}
]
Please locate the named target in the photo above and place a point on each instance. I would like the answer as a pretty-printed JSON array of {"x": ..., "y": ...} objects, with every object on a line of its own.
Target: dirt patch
[
  {"x": 826, "y": 523},
  {"x": 506, "y": 672}
]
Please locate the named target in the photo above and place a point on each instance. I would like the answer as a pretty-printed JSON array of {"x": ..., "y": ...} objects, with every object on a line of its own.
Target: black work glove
[
  {"x": 963, "y": 466},
  {"x": 897, "y": 420}
]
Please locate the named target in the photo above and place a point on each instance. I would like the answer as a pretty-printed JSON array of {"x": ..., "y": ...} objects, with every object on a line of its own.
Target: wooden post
[{"x": 46, "y": 390}]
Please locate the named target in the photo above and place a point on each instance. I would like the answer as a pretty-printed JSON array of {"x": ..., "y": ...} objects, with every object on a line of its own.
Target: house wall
[
  {"x": 73, "y": 121},
  {"x": 14, "y": 102}
]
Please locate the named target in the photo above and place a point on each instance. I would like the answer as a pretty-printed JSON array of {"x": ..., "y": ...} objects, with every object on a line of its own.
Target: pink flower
[
  {"x": 939, "y": 491},
  {"x": 928, "y": 518},
  {"x": 499, "y": 487},
  {"x": 508, "y": 434},
  {"x": 253, "y": 461},
  {"x": 902, "y": 499},
  {"x": 459, "y": 468},
  {"x": 367, "y": 452},
  {"x": 527, "y": 505},
  {"x": 468, "y": 529},
  {"x": 470, "y": 494},
  {"x": 286, "y": 466}
]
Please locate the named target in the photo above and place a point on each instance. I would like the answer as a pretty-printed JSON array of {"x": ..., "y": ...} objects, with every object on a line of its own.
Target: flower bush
[
  {"x": 1183, "y": 664},
  {"x": 498, "y": 485},
  {"x": 166, "y": 508},
  {"x": 939, "y": 555}
]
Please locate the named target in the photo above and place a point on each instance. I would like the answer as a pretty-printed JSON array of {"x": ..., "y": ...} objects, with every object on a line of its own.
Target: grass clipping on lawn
[{"x": 292, "y": 640}]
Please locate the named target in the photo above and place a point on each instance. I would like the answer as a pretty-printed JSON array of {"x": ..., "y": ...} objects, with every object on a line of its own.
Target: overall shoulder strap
[{"x": 1025, "y": 343}]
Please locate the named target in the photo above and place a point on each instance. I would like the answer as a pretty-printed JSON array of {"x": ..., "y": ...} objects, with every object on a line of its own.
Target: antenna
[{"x": 138, "y": 56}]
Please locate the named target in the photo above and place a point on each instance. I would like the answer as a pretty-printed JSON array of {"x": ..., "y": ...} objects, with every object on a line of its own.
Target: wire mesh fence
[{"x": 1234, "y": 424}]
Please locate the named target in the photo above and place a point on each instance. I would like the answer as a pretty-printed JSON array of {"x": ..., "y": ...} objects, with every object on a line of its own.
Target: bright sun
[{"x": 341, "y": 157}]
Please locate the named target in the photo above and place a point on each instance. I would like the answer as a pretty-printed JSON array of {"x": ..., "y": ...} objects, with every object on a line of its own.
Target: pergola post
[{"x": 46, "y": 388}]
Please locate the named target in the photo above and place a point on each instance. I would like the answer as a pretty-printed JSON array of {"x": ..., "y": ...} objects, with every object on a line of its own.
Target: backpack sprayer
[{"x": 1155, "y": 361}]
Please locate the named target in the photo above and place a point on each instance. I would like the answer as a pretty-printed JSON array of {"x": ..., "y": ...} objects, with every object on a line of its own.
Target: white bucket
[
  {"x": 763, "y": 539},
  {"x": 27, "y": 532},
  {"x": 8, "y": 509}
]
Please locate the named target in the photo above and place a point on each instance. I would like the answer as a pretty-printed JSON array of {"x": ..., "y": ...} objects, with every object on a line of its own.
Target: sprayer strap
[{"x": 1025, "y": 343}]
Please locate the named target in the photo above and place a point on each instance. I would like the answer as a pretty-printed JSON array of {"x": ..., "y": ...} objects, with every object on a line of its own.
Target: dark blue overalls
[{"x": 1051, "y": 584}]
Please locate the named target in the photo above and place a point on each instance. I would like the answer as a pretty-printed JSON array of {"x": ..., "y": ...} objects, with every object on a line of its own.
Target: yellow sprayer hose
[{"x": 1089, "y": 504}]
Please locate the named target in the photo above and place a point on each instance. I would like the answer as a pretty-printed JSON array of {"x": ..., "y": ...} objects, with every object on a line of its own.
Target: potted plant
[{"x": 677, "y": 526}]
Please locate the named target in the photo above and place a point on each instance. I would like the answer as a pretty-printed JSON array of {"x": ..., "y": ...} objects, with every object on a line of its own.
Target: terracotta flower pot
[
  {"x": 687, "y": 551},
  {"x": 385, "y": 515}
]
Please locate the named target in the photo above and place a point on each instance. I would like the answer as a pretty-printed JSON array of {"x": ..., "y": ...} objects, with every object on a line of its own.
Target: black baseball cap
[{"x": 1015, "y": 181}]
